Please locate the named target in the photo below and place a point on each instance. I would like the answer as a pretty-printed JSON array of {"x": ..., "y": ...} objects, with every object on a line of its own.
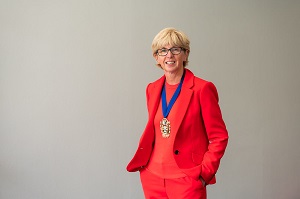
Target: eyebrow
[{"x": 169, "y": 48}]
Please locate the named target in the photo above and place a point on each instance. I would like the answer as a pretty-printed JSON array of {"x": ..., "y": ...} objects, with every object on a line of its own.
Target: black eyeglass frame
[{"x": 170, "y": 49}]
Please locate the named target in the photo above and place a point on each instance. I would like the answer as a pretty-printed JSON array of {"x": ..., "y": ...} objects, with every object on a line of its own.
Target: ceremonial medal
[{"x": 165, "y": 128}]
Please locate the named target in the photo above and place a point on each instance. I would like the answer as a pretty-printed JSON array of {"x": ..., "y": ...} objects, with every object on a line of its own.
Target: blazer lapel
[
  {"x": 154, "y": 98},
  {"x": 186, "y": 94}
]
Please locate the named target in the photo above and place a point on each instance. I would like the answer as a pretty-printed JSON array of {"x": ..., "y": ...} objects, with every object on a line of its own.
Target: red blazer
[{"x": 201, "y": 135}]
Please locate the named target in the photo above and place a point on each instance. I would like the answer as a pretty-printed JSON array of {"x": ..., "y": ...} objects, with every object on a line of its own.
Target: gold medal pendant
[{"x": 165, "y": 128}]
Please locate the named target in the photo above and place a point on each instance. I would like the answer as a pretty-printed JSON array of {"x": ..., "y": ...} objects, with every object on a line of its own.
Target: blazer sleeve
[
  {"x": 215, "y": 129},
  {"x": 148, "y": 96}
]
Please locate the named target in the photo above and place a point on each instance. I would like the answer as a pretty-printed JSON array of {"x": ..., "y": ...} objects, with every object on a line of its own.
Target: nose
[{"x": 169, "y": 54}]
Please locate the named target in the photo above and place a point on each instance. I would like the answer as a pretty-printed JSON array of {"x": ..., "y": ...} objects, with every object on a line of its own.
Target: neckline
[{"x": 171, "y": 86}]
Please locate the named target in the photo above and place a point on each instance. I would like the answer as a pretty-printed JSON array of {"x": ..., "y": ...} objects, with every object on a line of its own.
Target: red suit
[{"x": 201, "y": 135}]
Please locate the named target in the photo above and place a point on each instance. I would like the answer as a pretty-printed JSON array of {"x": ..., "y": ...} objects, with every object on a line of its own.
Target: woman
[{"x": 185, "y": 137}]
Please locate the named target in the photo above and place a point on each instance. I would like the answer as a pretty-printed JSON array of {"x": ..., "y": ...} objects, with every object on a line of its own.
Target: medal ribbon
[{"x": 167, "y": 108}]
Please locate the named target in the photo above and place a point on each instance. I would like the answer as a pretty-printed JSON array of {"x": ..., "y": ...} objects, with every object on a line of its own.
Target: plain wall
[{"x": 73, "y": 75}]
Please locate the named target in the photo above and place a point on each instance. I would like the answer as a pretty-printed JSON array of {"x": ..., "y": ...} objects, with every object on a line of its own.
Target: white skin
[{"x": 172, "y": 65}]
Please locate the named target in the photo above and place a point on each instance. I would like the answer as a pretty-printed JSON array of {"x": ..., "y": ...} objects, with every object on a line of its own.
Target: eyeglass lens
[{"x": 164, "y": 51}]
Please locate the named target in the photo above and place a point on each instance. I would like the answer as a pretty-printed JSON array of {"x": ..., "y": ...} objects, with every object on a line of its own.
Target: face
[{"x": 172, "y": 63}]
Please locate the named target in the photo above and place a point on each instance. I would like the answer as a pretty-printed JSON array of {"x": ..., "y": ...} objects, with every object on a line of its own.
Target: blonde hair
[{"x": 170, "y": 36}]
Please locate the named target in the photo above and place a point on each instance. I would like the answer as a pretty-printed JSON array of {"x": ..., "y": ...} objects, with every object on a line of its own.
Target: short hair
[{"x": 170, "y": 36}]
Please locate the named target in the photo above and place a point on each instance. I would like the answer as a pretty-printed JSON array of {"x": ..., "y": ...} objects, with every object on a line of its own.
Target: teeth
[{"x": 170, "y": 62}]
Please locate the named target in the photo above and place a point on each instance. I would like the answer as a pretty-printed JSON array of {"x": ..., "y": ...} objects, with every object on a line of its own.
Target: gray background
[{"x": 72, "y": 93}]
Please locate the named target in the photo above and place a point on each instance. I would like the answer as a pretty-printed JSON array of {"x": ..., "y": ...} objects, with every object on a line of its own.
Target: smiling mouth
[{"x": 170, "y": 62}]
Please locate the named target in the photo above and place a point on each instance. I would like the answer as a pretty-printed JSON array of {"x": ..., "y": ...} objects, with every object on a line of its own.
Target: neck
[{"x": 173, "y": 78}]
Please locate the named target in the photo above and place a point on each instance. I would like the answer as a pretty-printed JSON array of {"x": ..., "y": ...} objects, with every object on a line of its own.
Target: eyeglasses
[{"x": 174, "y": 51}]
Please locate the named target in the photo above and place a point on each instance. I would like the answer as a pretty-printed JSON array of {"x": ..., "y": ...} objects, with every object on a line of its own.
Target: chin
[{"x": 171, "y": 68}]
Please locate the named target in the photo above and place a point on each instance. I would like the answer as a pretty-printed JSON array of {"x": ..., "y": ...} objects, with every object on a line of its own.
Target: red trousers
[{"x": 179, "y": 188}]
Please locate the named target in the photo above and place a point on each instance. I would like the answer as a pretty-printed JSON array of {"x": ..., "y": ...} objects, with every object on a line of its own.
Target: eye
[
  {"x": 163, "y": 50},
  {"x": 176, "y": 49}
]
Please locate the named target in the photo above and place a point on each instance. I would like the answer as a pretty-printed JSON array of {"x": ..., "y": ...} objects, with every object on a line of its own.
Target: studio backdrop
[{"x": 73, "y": 75}]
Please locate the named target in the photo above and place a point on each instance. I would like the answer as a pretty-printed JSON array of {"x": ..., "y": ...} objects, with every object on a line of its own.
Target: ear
[
  {"x": 155, "y": 56},
  {"x": 187, "y": 52}
]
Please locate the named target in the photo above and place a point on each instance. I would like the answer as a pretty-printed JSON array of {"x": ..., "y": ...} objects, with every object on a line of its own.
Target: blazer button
[{"x": 176, "y": 152}]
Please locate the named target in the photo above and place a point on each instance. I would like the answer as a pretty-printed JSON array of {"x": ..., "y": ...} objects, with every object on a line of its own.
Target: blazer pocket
[{"x": 197, "y": 158}]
